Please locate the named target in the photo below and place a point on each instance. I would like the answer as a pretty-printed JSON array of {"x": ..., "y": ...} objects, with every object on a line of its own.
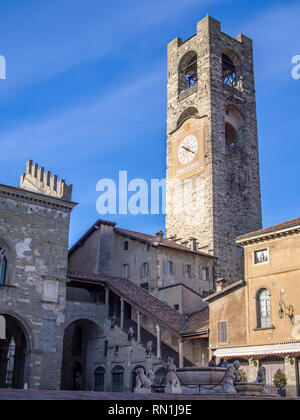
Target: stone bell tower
[{"x": 213, "y": 182}]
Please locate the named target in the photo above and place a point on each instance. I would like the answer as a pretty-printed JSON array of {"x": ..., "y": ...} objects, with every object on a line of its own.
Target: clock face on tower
[{"x": 188, "y": 149}]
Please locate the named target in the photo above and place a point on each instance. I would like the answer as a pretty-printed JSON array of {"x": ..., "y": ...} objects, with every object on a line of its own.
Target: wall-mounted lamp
[{"x": 286, "y": 311}]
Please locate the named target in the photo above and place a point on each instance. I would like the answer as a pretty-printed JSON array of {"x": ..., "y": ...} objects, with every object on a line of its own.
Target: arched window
[
  {"x": 188, "y": 71},
  {"x": 231, "y": 136},
  {"x": 117, "y": 379},
  {"x": 263, "y": 303},
  {"x": 228, "y": 71},
  {"x": 187, "y": 113},
  {"x": 235, "y": 128},
  {"x": 99, "y": 379},
  {"x": 3, "y": 265}
]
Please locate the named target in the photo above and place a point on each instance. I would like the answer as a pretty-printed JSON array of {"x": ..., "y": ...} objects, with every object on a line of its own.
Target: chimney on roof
[
  {"x": 160, "y": 236},
  {"x": 221, "y": 284},
  {"x": 193, "y": 244}
]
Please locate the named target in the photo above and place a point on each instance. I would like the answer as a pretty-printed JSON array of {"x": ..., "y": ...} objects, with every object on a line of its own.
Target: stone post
[
  {"x": 290, "y": 371},
  {"x": 122, "y": 314},
  {"x": 106, "y": 303},
  {"x": 138, "y": 327},
  {"x": 158, "y": 342},
  {"x": 180, "y": 352}
]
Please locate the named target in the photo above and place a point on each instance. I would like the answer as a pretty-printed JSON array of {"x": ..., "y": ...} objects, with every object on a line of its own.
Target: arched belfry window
[
  {"x": 263, "y": 302},
  {"x": 188, "y": 71},
  {"x": 3, "y": 265},
  {"x": 228, "y": 71}
]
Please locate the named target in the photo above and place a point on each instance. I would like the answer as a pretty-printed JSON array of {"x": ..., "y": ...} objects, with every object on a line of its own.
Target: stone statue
[
  {"x": 173, "y": 384},
  {"x": 149, "y": 348},
  {"x": 229, "y": 381},
  {"x": 236, "y": 369},
  {"x": 143, "y": 383},
  {"x": 130, "y": 334},
  {"x": 261, "y": 375}
]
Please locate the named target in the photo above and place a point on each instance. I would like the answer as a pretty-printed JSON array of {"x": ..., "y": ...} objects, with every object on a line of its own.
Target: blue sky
[{"x": 85, "y": 94}]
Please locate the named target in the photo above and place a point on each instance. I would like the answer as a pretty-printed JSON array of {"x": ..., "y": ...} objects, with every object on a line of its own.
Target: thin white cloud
[
  {"x": 80, "y": 127},
  {"x": 54, "y": 36}
]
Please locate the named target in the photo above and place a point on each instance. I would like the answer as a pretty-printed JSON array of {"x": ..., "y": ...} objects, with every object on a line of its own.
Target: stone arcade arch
[
  {"x": 15, "y": 352},
  {"x": 83, "y": 339}
]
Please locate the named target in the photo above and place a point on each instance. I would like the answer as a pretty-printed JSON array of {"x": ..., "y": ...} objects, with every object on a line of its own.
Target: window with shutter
[
  {"x": 222, "y": 332},
  {"x": 263, "y": 309}
]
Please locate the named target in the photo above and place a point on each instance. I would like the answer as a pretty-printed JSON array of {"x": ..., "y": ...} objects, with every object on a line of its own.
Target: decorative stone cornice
[
  {"x": 35, "y": 198},
  {"x": 250, "y": 240}
]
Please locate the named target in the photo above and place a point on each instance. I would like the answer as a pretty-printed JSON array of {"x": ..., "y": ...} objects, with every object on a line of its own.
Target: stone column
[
  {"x": 122, "y": 314},
  {"x": 106, "y": 303},
  {"x": 138, "y": 326},
  {"x": 158, "y": 341},
  {"x": 180, "y": 352},
  {"x": 290, "y": 371}
]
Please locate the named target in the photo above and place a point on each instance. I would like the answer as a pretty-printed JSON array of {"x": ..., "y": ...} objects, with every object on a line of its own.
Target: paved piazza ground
[{"x": 6, "y": 394}]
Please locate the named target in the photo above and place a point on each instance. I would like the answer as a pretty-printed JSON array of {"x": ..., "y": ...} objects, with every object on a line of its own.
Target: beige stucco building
[{"x": 257, "y": 320}]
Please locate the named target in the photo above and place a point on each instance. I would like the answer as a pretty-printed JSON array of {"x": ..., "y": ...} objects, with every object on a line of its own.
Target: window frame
[
  {"x": 259, "y": 324},
  {"x": 226, "y": 331},
  {"x": 145, "y": 273},
  {"x": 168, "y": 265},
  {"x": 127, "y": 271},
  {"x": 7, "y": 253},
  {"x": 258, "y": 264}
]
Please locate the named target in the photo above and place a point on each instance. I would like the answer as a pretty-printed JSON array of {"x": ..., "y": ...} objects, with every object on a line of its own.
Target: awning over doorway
[{"x": 265, "y": 350}]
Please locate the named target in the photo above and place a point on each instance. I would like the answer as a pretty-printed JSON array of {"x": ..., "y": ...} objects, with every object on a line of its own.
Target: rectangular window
[
  {"x": 176, "y": 307},
  {"x": 222, "y": 332},
  {"x": 126, "y": 246},
  {"x": 261, "y": 256},
  {"x": 205, "y": 273},
  {"x": 189, "y": 271},
  {"x": 126, "y": 271},
  {"x": 145, "y": 270},
  {"x": 170, "y": 267}
]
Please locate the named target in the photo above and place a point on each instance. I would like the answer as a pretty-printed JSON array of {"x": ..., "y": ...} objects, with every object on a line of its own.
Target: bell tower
[{"x": 213, "y": 182}]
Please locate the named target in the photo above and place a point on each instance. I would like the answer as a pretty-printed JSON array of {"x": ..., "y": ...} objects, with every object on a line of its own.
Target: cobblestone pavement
[{"x": 7, "y": 394}]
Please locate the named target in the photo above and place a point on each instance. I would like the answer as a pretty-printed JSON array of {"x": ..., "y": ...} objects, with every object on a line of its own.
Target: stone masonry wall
[
  {"x": 227, "y": 192},
  {"x": 36, "y": 229}
]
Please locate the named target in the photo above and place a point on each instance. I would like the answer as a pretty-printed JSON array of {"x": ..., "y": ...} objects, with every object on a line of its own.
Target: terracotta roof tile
[
  {"x": 198, "y": 322},
  {"x": 136, "y": 296},
  {"x": 151, "y": 239},
  {"x": 280, "y": 226}
]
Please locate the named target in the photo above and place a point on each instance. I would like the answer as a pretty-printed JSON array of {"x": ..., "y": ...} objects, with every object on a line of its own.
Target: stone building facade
[
  {"x": 213, "y": 183},
  {"x": 267, "y": 330},
  {"x": 34, "y": 231},
  {"x": 150, "y": 261}
]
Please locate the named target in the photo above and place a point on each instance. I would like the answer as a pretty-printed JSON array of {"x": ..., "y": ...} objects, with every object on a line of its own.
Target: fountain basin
[
  {"x": 250, "y": 388},
  {"x": 202, "y": 380}
]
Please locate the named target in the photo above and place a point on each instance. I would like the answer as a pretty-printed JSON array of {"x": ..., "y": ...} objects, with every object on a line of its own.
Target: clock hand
[{"x": 188, "y": 150}]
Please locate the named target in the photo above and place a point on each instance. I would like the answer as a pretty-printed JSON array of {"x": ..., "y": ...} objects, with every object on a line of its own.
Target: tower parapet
[{"x": 38, "y": 180}]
